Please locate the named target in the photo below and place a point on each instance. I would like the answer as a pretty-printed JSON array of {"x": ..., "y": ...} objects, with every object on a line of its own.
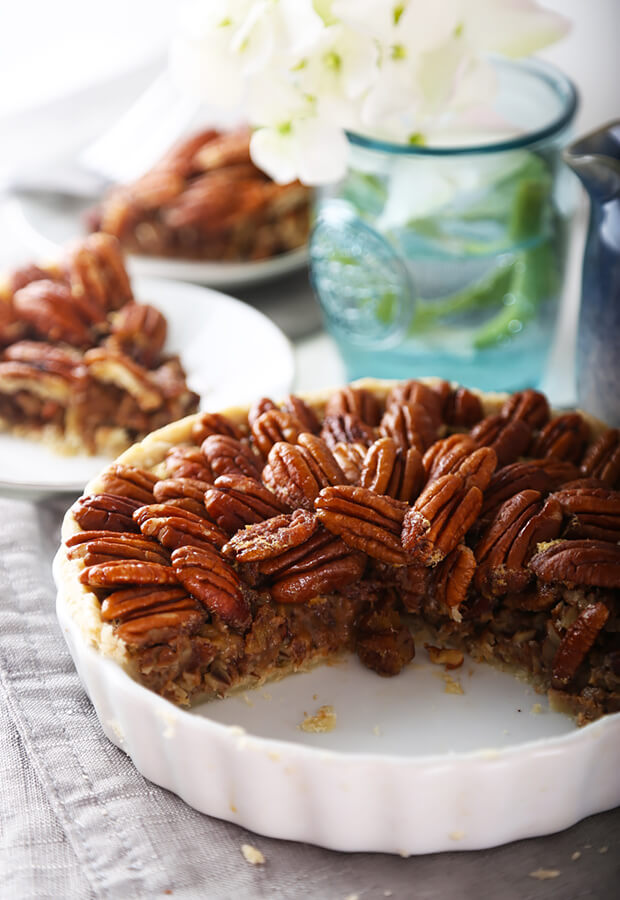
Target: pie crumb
[
  {"x": 576, "y": 855},
  {"x": 323, "y": 720},
  {"x": 247, "y": 700},
  {"x": 387, "y": 893},
  {"x": 456, "y": 835},
  {"x": 453, "y": 685},
  {"x": 603, "y": 849},
  {"x": 252, "y": 855},
  {"x": 537, "y": 708},
  {"x": 544, "y": 874},
  {"x": 377, "y": 731},
  {"x": 352, "y": 897}
]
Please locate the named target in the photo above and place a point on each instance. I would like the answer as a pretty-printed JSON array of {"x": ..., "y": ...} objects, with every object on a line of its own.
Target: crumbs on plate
[{"x": 323, "y": 720}]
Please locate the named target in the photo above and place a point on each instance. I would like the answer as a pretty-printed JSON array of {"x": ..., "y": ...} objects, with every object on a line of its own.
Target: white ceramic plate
[
  {"x": 408, "y": 768},
  {"x": 46, "y": 222},
  {"x": 230, "y": 351}
]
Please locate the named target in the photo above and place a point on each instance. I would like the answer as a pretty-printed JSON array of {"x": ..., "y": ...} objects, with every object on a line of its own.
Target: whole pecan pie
[
  {"x": 235, "y": 547},
  {"x": 206, "y": 200},
  {"x": 82, "y": 363}
]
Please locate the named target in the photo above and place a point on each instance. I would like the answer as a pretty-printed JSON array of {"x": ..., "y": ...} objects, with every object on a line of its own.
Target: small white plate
[
  {"x": 408, "y": 768},
  {"x": 231, "y": 353},
  {"x": 46, "y": 222}
]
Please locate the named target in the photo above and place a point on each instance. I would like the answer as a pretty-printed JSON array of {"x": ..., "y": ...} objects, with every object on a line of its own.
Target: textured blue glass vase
[{"x": 449, "y": 260}]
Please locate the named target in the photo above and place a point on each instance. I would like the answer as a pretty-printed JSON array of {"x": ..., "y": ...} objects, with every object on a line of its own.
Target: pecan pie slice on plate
[
  {"x": 233, "y": 548},
  {"x": 83, "y": 365}
]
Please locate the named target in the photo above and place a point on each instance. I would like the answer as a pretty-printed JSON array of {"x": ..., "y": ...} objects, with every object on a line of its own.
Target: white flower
[
  {"x": 340, "y": 67},
  {"x": 403, "y": 70}
]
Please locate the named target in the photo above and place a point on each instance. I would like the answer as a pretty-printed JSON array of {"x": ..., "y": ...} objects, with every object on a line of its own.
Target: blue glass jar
[{"x": 449, "y": 260}]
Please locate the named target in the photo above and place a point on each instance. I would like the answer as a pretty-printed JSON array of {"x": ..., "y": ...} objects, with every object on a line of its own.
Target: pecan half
[
  {"x": 102, "y": 546},
  {"x": 48, "y": 308},
  {"x": 350, "y": 458},
  {"x": 416, "y": 393},
  {"x": 272, "y": 426},
  {"x": 111, "y": 367},
  {"x": 602, "y": 460},
  {"x": 439, "y": 519},
  {"x": 105, "y": 512},
  {"x": 95, "y": 268},
  {"x": 521, "y": 523},
  {"x": 364, "y": 520},
  {"x": 409, "y": 426},
  {"x": 235, "y": 501},
  {"x": 477, "y": 468},
  {"x": 129, "y": 481},
  {"x": 355, "y": 401},
  {"x": 576, "y": 643},
  {"x": 145, "y": 616},
  {"x": 462, "y": 409},
  {"x": 510, "y": 438},
  {"x": 296, "y": 473},
  {"x": 272, "y": 537},
  {"x": 390, "y": 470},
  {"x": 565, "y": 437},
  {"x": 593, "y": 512},
  {"x": 584, "y": 562},
  {"x": 304, "y": 414},
  {"x": 452, "y": 578},
  {"x": 445, "y": 656},
  {"x": 213, "y": 423},
  {"x": 259, "y": 407},
  {"x": 213, "y": 581},
  {"x": 175, "y": 527},
  {"x": 321, "y": 565},
  {"x": 139, "y": 331},
  {"x": 121, "y": 572},
  {"x": 226, "y": 455},
  {"x": 559, "y": 471},
  {"x": 446, "y": 455},
  {"x": 189, "y": 462},
  {"x": 530, "y": 406},
  {"x": 177, "y": 488},
  {"x": 382, "y": 642},
  {"x": 346, "y": 428},
  {"x": 511, "y": 480}
]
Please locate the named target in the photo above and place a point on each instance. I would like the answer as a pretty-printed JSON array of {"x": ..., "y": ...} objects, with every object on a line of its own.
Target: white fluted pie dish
[{"x": 424, "y": 762}]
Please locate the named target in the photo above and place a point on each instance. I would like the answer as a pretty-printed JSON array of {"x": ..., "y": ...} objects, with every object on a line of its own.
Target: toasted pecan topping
[
  {"x": 321, "y": 565},
  {"x": 346, "y": 428},
  {"x": 602, "y": 459},
  {"x": 139, "y": 331},
  {"x": 565, "y": 438},
  {"x": 409, "y": 425},
  {"x": 354, "y": 401},
  {"x": 177, "y": 488},
  {"x": 296, "y": 473},
  {"x": 48, "y": 308},
  {"x": 273, "y": 426},
  {"x": 272, "y": 537},
  {"x": 189, "y": 462},
  {"x": 446, "y": 455},
  {"x": 105, "y": 512},
  {"x": 439, "y": 519},
  {"x": 145, "y": 616},
  {"x": 592, "y": 512},
  {"x": 576, "y": 642},
  {"x": 416, "y": 393},
  {"x": 462, "y": 408},
  {"x": 121, "y": 572},
  {"x": 174, "y": 526},
  {"x": 383, "y": 642},
  {"x": 530, "y": 406},
  {"x": 390, "y": 470},
  {"x": 235, "y": 501},
  {"x": 510, "y": 438},
  {"x": 364, "y": 520},
  {"x": 100, "y": 547},
  {"x": 213, "y": 581},
  {"x": 304, "y": 414},
  {"x": 581, "y": 562},
  {"x": 227, "y": 455},
  {"x": 350, "y": 458},
  {"x": 452, "y": 578},
  {"x": 213, "y": 423},
  {"x": 129, "y": 481}
]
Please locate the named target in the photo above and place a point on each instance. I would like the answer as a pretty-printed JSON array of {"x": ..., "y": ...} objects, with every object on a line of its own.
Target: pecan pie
[
  {"x": 82, "y": 364},
  {"x": 206, "y": 200},
  {"x": 235, "y": 547}
]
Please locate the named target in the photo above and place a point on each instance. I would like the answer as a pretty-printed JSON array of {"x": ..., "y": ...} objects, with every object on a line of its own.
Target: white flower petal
[
  {"x": 323, "y": 152},
  {"x": 275, "y": 153}
]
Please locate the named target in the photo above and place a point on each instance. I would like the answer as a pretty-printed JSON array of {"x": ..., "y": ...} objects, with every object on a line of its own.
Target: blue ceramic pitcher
[{"x": 596, "y": 160}]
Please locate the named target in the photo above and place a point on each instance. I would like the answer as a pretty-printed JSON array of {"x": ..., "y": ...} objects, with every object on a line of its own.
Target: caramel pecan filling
[{"x": 266, "y": 544}]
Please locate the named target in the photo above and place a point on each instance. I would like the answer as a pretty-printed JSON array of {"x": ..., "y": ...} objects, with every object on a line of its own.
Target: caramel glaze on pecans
[{"x": 307, "y": 528}]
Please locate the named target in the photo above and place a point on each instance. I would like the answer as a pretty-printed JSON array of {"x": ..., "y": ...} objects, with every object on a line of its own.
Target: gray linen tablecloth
[{"x": 78, "y": 820}]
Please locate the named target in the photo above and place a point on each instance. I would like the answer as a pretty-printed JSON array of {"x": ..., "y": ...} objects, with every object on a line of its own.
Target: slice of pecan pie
[
  {"x": 206, "y": 200},
  {"x": 82, "y": 364},
  {"x": 230, "y": 548}
]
